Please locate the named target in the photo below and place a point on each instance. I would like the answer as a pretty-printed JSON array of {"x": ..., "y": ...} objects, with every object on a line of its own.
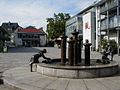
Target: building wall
[
  {"x": 43, "y": 40},
  {"x": 21, "y": 41},
  {"x": 113, "y": 35},
  {"x": 71, "y": 25},
  {"x": 74, "y": 23},
  {"x": 89, "y": 28},
  {"x": 17, "y": 41},
  {"x": 103, "y": 25}
]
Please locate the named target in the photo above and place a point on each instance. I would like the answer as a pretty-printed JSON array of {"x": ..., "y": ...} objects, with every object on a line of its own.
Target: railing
[
  {"x": 30, "y": 38},
  {"x": 103, "y": 9},
  {"x": 103, "y": 27},
  {"x": 112, "y": 4},
  {"x": 112, "y": 24},
  {"x": 118, "y": 21},
  {"x": 115, "y": 22}
]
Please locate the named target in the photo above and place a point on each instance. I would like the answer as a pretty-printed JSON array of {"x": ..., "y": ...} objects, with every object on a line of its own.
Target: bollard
[
  {"x": 63, "y": 50},
  {"x": 87, "y": 53},
  {"x": 70, "y": 52}
]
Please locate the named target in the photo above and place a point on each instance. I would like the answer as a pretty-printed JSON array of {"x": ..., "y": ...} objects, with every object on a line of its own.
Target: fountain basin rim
[
  {"x": 77, "y": 72},
  {"x": 112, "y": 64}
]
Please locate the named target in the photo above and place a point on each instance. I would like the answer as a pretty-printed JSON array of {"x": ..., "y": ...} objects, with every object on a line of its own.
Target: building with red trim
[{"x": 30, "y": 37}]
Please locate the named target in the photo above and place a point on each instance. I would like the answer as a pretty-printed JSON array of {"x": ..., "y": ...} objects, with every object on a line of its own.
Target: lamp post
[{"x": 118, "y": 35}]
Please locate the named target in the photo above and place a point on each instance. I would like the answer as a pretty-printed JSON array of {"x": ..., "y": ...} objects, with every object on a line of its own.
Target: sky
[{"x": 35, "y": 12}]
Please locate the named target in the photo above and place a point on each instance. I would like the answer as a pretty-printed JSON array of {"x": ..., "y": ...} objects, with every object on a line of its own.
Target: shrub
[
  {"x": 103, "y": 43},
  {"x": 112, "y": 43}
]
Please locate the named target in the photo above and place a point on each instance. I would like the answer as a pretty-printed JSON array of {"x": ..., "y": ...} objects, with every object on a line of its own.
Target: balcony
[
  {"x": 114, "y": 22},
  {"x": 30, "y": 39},
  {"x": 113, "y": 25},
  {"x": 103, "y": 24},
  {"x": 104, "y": 27},
  {"x": 112, "y": 4},
  {"x": 118, "y": 21},
  {"x": 103, "y": 10}
]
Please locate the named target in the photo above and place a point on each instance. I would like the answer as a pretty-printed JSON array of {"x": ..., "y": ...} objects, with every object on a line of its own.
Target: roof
[
  {"x": 13, "y": 26},
  {"x": 3, "y": 30},
  {"x": 31, "y": 30}
]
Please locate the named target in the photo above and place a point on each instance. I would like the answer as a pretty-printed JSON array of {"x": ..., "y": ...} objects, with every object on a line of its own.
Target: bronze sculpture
[
  {"x": 108, "y": 51},
  {"x": 35, "y": 58}
]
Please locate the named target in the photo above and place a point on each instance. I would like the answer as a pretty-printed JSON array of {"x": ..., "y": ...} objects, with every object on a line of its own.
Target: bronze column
[
  {"x": 79, "y": 50},
  {"x": 87, "y": 53},
  {"x": 70, "y": 51},
  {"x": 75, "y": 37},
  {"x": 63, "y": 49}
]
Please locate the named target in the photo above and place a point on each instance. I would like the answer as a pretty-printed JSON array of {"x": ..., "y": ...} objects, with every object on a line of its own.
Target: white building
[
  {"x": 101, "y": 20},
  {"x": 108, "y": 21},
  {"x": 30, "y": 37},
  {"x": 80, "y": 21},
  {"x": 74, "y": 23}
]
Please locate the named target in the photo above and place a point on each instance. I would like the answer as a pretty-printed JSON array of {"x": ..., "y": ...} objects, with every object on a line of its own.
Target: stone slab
[
  {"x": 42, "y": 82},
  {"x": 76, "y": 84}
]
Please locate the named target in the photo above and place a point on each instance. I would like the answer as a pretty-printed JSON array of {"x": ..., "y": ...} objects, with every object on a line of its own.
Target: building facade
[
  {"x": 3, "y": 38},
  {"x": 74, "y": 23},
  {"x": 108, "y": 21},
  {"x": 30, "y": 37},
  {"x": 89, "y": 31},
  {"x": 84, "y": 22},
  {"x": 101, "y": 20},
  {"x": 9, "y": 26}
]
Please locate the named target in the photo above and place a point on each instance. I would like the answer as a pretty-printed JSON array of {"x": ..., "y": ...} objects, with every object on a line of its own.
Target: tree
[{"x": 56, "y": 25}]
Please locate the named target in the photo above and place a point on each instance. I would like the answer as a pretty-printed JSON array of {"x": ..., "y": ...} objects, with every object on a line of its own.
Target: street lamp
[{"x": 118, "y": 45}]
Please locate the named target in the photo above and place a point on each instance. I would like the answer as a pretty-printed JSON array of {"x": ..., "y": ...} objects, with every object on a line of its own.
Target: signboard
[{"x": 87, "y": 27}]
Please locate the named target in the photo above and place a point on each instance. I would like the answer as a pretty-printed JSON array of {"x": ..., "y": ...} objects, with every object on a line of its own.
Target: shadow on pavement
[
  {"x": 23, "y": 50},
  {"x": 1, "y": 81},
  {"x": 118, "y": 72}
]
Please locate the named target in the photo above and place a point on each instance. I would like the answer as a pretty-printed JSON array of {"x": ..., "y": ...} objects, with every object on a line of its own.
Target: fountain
[{"x": 75, "y": 66}]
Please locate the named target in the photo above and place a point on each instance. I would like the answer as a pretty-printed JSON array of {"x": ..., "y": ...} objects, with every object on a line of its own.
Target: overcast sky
[{"x": 35, "y": 12}]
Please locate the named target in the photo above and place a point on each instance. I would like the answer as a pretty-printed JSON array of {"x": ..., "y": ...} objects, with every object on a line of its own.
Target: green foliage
[
  {"x": 56, "y": 25},
  {"x": 112, "y": 43},
  {"x": 103, "y": 43}
]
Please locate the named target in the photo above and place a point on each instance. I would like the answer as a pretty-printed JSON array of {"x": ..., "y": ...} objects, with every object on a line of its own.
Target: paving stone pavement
[
  {"x": 22, "y": 78},
  {"x": 18, "y": 59}
]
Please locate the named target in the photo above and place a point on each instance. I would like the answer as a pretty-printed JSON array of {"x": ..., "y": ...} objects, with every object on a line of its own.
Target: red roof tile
[{"x": 31, "y": 30}]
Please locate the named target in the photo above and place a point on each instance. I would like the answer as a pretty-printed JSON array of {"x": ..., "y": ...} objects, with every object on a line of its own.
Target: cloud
[
  {"x": 26, "y": 13},
  {"x": 35, "y": 12}
]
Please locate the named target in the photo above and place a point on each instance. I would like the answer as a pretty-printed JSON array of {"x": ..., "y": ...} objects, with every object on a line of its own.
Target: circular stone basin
[{"x": 93, "y": 71}]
